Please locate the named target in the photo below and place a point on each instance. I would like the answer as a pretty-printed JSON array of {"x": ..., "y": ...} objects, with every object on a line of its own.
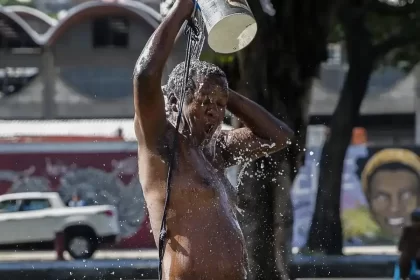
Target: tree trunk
[
  {"x": 325, "y": 233},
  {"x": 256, "y": 192},
  {"x": 277, "y": 71}
]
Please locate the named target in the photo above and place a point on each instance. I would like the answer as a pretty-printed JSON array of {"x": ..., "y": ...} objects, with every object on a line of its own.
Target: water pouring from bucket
[{"x": 230, "y": 24}]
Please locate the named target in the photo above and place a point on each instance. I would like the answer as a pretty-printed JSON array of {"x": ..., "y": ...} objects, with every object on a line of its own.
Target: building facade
[
  {"x": 81, "y": 67},
  {"x": 388, "y": 112},
  {"x": 85, "y": 61}
]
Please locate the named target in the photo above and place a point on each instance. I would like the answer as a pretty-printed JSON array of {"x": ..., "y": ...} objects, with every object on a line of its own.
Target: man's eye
[{"x": 406, "y": 195}]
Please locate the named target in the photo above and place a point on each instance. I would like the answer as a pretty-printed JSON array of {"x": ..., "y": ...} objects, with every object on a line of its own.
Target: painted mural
[
  {"x": 98, "y": 178},
  {"x": 381, "y": 187},
  {"x": 97, "y": 173}
]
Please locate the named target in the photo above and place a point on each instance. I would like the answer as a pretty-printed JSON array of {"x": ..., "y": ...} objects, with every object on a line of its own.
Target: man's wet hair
[{"x": 198, "y": 69}]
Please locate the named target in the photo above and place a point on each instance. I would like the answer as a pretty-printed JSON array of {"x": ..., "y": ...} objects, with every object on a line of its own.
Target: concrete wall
[
  {"x": 82, "y": 81},
  {"x": 38, "y": 25},
  {"x": 387, "y": 135}
]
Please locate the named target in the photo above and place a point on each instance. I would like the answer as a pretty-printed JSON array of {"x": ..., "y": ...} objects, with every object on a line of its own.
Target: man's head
[
  {"x": 205, "y": 98},
  {"x": 391, "y": 182}
]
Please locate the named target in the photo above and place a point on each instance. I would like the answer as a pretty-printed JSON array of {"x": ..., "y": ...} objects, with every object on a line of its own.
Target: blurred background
[{"x": 343, "y": 74}]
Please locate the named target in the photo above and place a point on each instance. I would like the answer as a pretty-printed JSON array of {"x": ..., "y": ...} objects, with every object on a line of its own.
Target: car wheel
[{"x": 81, "y": 246}]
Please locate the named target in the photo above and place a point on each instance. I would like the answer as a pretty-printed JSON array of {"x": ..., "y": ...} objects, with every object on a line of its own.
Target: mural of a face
[
  {"x": 392, "y": 187},
  {"x": 393, "y": 196}
]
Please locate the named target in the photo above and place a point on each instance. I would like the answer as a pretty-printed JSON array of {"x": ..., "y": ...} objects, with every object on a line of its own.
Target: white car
[{"x": 32, "y": 219}]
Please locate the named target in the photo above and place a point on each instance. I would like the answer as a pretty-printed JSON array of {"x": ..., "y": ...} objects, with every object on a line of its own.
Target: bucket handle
[{"x": 197, "y": 6}]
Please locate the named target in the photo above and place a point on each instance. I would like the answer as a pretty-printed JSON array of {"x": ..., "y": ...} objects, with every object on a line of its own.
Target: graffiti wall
[
  {"x": 99, "y": 173},
  {"x": 380, "y": 188}
]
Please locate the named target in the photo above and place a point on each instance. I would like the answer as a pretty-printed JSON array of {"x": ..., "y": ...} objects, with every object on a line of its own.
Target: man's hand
[
  {"x": 263, "y": 133},
  {"x": 263, "y": 124},
  {"x": 185, "y": 5}
]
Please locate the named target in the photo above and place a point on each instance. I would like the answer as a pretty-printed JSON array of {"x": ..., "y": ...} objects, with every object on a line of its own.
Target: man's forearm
[
  {"x": 260, "y": 121},
  {"x": 153, "y": 58}
]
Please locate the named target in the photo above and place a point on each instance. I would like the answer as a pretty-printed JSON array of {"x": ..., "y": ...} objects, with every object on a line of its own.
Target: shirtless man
[{"x": 204, "y": 240}]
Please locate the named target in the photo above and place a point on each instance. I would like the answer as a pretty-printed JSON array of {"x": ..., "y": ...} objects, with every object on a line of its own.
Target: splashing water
[
  {"x": 242, "y": 172},
  {"x": 211, "y": 145},
  {"x": 197, "y": 46}
]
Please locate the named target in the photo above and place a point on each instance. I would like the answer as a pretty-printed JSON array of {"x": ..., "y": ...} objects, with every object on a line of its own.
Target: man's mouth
[{"x": 396, "y": 221}]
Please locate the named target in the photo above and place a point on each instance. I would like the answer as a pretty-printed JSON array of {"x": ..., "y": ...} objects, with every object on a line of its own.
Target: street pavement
[
  {"x": 367, "y": 250},
  {"x": 99, "y": 255},
  {"x": 142, "y": 264},
  {"x": 153, "y": 254}
]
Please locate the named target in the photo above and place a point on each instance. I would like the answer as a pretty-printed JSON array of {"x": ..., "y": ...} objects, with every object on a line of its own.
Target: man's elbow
[
  {"x": 141, "y": 77},
  {"x": 144, "y": 73},
  {"x": 145, "y": 83}
]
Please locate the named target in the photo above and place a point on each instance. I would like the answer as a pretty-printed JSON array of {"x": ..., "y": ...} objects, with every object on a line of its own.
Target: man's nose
[{"x": 395, "y": 204}]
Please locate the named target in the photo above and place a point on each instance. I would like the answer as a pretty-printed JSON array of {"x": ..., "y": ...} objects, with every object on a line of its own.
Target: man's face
[
  {"x": 393, "y": 196},
  {"x": 206, "y": 109}
]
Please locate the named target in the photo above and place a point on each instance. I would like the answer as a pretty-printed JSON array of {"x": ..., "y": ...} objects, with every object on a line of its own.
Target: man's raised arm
[
  {"x": 263, "y": 133},
  {"x": 149, "y": 104}
]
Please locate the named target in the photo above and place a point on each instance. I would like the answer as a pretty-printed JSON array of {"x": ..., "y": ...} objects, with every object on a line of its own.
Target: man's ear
[{"x": 173, "y": 102}]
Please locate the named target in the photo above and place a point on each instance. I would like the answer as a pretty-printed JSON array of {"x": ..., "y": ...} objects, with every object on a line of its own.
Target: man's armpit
[
  {"x": 165, "y": 143},
  {"x": 224, "y": 154}
]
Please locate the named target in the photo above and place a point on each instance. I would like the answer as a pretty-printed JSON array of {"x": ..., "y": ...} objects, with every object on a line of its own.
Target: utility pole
[{"x": 48, "y": 77}]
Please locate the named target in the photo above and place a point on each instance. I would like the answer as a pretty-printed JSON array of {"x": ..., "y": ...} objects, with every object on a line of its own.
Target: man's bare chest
[
  {"x": 195, "y": 173},
  {"x": 196, "y": 169}
]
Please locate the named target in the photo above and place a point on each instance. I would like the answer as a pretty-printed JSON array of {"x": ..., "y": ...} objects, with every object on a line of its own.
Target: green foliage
[
  {"x": 216, "y": 58},
  {"x": 337, "y": 34},
  {"x": 53, "y": 15},
  {"x": 386, "y": 22},
  {"x": 15, "y": 2},
  {"x": 358, "y": 223},
  {"x": 404, "y": 58},
  {"x": 401, "y": 24},
  {"x": 382, "y": 26}
]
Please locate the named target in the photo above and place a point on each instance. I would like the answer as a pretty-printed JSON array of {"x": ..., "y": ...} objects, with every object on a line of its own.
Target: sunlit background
[{"x": 343, "y": 74}]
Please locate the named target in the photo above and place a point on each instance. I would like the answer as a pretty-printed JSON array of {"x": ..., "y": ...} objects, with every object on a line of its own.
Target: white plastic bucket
[{"x": 230, "y": 24}]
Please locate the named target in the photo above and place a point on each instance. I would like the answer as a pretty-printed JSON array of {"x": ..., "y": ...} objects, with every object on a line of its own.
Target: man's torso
[{"x": 204, "y": 238}]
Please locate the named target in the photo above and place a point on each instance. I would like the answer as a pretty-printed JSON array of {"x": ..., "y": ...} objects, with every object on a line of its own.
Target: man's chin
[{"x": 203, "y": 138}]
